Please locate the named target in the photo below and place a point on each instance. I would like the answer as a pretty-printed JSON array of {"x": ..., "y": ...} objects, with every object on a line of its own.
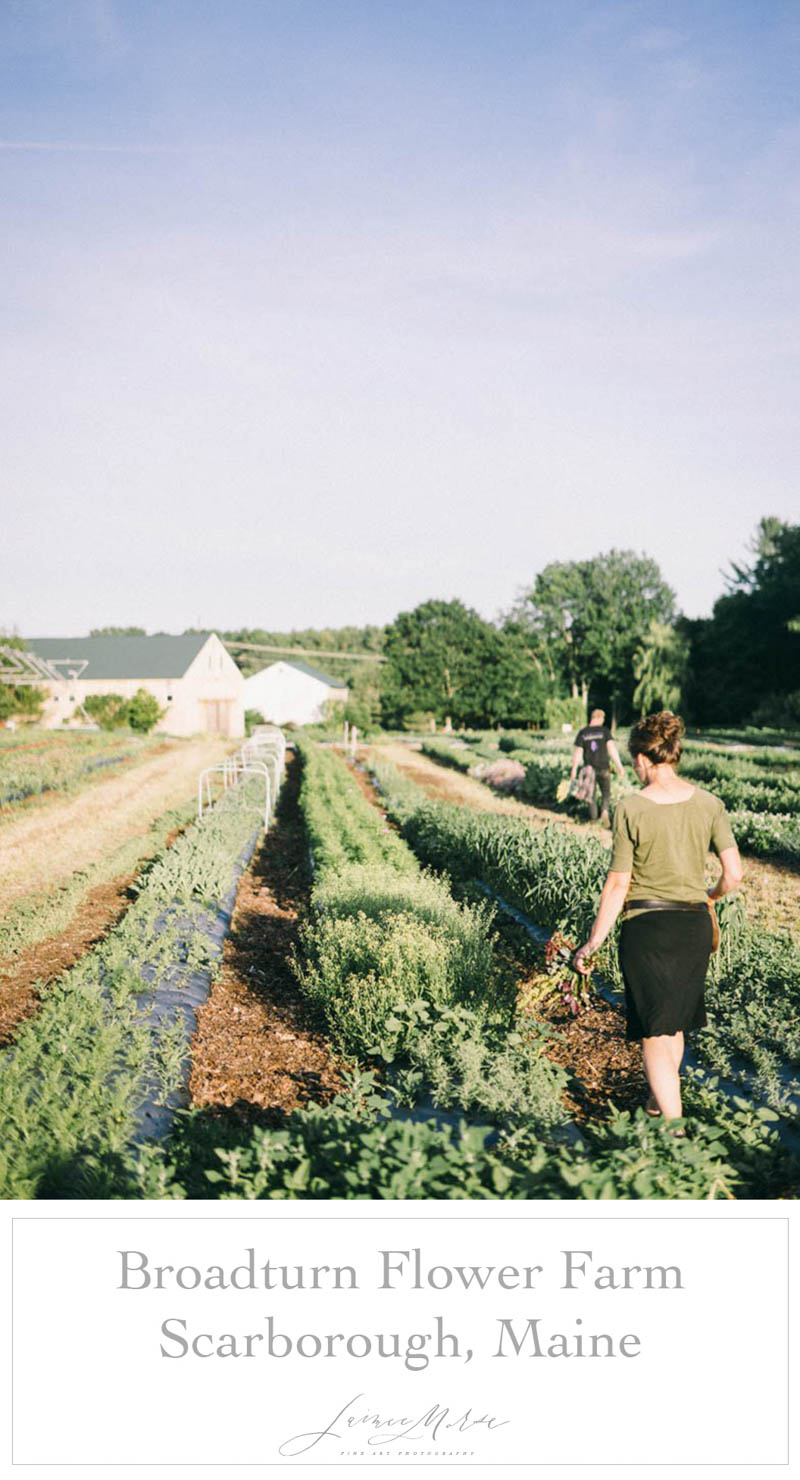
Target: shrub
[
  {"x": 114, "y": 712},
  {"x": 382, "y": 948},
  {"x": 352, "y": 1149},
  {"x": 357, "y": 712},
  {"x": 142, "y": 712},
  {"x": 109, "y": 711},
  {"x": 558, "y": 712},
  {"x": 21, "y": 701},
  {"x": 252, "y": 717}
]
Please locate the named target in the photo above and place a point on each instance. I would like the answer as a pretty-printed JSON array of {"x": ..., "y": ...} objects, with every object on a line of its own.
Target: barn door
[{"x": 217, "y": 716}]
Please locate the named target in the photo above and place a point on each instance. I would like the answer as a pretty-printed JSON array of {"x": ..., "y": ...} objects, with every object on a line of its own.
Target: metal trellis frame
[{"x": 233, "y": 772}]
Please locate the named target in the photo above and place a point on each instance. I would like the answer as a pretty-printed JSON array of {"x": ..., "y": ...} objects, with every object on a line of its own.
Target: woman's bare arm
[
  {"x": 611, "y": 901},
  {"x": 731, "y": 875}
]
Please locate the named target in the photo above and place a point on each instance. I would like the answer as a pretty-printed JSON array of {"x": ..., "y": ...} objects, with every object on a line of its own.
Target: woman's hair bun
[{"x": 659, "y": 737}]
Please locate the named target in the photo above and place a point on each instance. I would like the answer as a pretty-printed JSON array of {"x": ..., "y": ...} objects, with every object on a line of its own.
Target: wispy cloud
[{"x": 76, "y": 146}]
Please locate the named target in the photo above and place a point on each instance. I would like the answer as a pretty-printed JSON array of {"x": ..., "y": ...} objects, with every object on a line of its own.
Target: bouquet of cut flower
[{"x": 573, "y": 986}]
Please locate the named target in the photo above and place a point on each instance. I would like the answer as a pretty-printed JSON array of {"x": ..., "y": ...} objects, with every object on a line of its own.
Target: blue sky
[{"x": 312, "y": 311}]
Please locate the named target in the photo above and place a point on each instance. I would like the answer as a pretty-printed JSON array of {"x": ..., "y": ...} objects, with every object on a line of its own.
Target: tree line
[
  {"x": 600, "y": 632},
  {"x": 605, "y": 632}
]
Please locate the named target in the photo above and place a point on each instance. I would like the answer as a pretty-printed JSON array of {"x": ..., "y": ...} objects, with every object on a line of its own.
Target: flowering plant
[{"x": 574, "y": 987}]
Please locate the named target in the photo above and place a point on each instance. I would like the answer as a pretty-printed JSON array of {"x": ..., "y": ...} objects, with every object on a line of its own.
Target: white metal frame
[{"x": 263, "y": 754}]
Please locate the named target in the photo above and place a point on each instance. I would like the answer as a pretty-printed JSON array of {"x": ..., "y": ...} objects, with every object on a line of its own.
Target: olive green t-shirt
[{"x": 665, "y": 847}]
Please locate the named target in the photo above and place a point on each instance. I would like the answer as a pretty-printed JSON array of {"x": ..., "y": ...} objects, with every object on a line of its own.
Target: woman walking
[{"x": 662, "y": 835}]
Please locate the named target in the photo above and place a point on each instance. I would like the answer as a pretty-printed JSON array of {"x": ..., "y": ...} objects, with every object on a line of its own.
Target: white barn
[
  {"x": 194, "y": 678},
  {"x": 290, "y": 693}
]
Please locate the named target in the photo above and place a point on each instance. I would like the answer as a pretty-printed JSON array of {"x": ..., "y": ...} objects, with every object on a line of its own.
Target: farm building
[
  {"x": 195, "y": 680},
  {"x": 291, "y": 693}
]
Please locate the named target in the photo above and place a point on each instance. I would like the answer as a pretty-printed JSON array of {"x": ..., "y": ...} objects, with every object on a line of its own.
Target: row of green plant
[
  {"x": 556, "y": 878},
  {"x": 764, "y": 805},
  {"x": 460, "y": 757},
  {"x": 355, "y": 1148},
  {"x": 526, "y": 740},
  {"x": 760, "y": 736},
  {"x": 36, "y": 917},
  {"x": 382, "y": 947},
  {"x": 72, "y": 1084},
  {"x": 341, "y": 824},
  {"x": 402, "y": 974},
  {"x": 59, "y": 767},
  {"x": 362, "y": 944},
  {"x": 33, "y": 737},
  {"x": 746, "y": 787}
]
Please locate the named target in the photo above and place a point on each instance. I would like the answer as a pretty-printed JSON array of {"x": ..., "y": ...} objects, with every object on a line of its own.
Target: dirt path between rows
[
  {"x": 447, "y": 785},
  {"x": 43, "y": 849},
  {"x": 255, "y": 1049},
  {"x": 771, "y": 893}
]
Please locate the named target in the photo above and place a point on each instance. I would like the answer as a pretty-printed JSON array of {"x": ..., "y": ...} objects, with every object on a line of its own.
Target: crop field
[
  {"x": 37, "y": 763},
  {"x": 370, "y": 1020},
  {"x": 759, "y": 785},
  {"x": 70, "y": 860},
  {"x": 555, "y": 876}
]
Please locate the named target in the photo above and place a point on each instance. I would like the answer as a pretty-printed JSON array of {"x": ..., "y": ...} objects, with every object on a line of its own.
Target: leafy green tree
[
  {"x": 118, "y": 632},
  {"x": 23, "y": 700},
  {"x": 445, "y": 660},
  {"x": 746, "y": 657},
  {"x": 587, "y": 618},
  {"x": 142, "y": 711},
  {"x": 109, "y": 711},
  {"x": 659, "y": 667},
  {"x": 436, "y": 660},
  {"x": 518, "y": 689}
]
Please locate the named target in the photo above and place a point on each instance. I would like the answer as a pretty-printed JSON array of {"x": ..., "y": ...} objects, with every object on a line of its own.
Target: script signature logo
[{"x": 379, "y": 1429}]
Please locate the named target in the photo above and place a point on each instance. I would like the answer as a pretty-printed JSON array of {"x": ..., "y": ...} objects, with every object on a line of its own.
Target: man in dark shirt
[{"x": 593, "y": 748}]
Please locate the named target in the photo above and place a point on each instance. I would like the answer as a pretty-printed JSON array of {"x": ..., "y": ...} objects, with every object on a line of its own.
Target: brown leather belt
[{"x": 663, "y": 904}]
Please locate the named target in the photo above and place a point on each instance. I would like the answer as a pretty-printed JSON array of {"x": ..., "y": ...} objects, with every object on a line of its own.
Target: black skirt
[{"x": 663, "y": 955}]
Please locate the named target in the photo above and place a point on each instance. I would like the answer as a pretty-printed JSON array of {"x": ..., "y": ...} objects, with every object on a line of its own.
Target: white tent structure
[{"x": 290, "y": 693}]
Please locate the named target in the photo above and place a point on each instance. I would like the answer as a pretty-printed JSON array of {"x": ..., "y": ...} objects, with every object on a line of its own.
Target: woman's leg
[
  {"x": 677, "y": 1049},
  {"x": 662, "y": 1058}
]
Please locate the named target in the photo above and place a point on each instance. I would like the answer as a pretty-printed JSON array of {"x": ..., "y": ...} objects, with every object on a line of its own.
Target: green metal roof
[
  {"x": 124, "y": 657},
  {"x": 333, "y": 683}
]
